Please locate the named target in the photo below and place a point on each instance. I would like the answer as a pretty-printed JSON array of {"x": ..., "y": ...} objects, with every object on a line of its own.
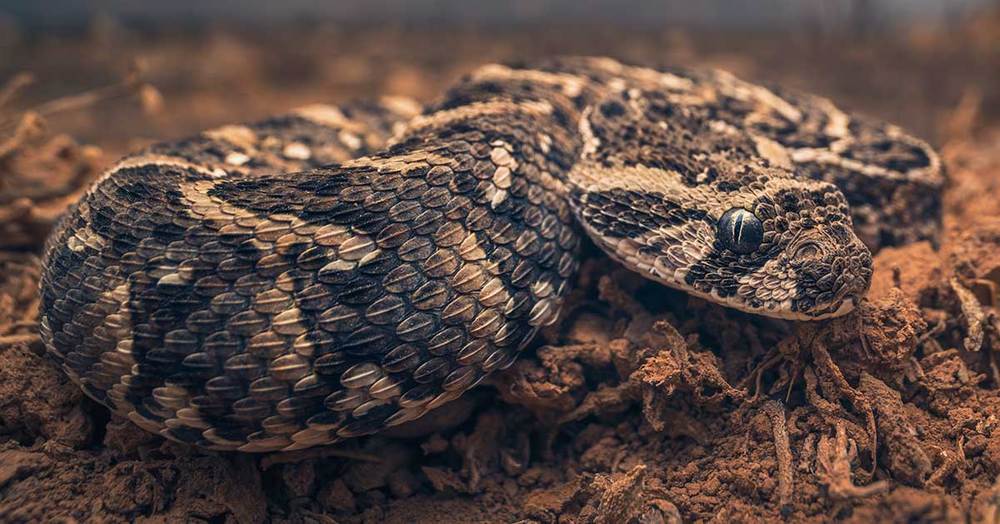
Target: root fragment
[
  {"x": 831, "y": 412},
  {"x": 833, "y": 374},
  {"x": 776, "y": 413},
  {"x": 31, "y": 340},
  {"x": 833, "y": 467}
]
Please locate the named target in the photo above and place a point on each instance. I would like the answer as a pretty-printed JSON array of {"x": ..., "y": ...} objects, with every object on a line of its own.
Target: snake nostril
[{"x": 808, "y": 250}]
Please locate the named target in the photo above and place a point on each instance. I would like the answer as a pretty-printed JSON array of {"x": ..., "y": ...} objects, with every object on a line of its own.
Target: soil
[{"x": 641, "y": 405}]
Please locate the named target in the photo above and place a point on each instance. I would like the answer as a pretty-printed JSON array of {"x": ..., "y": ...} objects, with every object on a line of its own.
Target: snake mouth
[
  {"x": 784, "y": 311},
  {"x": 780, "y": 310},
  {"x": 836, "y": 309},
  {"x": 844, "y": 303}
]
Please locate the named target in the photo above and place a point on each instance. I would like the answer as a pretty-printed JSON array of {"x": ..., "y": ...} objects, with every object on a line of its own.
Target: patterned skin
[{"x": 333, "y": 272}]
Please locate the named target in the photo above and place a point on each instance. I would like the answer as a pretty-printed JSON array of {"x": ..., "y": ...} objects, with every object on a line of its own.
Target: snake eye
[{"x": 740, "y": 231}]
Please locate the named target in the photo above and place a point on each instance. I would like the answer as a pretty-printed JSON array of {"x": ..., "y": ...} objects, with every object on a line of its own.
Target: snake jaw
[{"x": 842, "y": 308}]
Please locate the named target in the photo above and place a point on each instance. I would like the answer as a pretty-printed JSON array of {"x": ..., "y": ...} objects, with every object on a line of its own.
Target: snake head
[
  {"x": 762, "y": 241},
  {"x": 773, "y": 245},
  {"x": 792, "y": 252},
  {"x": 781, "y": 246},
  {"x": 690, "y": 201}
]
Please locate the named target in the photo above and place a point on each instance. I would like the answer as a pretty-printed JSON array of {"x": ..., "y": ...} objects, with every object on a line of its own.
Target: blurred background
[
  {"x": 204, "y": 63},
  {"x": 828, "y": 14}
]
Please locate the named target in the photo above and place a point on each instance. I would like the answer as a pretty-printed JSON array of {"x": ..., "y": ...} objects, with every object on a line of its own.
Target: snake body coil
[{"x": 298, "y": 281}]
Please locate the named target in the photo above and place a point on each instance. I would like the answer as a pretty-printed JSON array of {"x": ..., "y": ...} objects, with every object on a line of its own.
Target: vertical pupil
[{"x": 737, "y": 227}]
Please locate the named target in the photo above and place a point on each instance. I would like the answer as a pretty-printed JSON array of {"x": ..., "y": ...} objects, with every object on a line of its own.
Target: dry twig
[
  {"x": 14, "y": 86},
  {"x": 776, "y": 413}
]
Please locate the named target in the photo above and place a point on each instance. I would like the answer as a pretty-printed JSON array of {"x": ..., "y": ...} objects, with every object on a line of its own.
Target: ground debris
[
  {"x": 628, "y": 497},
  {"x": 972, "y": 315},
  {"x": 905, "y": 504},
  {"x": 41, "y": 173},
  {"x": 38, "y": 402}
]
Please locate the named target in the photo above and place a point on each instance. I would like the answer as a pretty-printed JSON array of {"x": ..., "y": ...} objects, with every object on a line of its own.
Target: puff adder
[{"x": 336, "y": 271}]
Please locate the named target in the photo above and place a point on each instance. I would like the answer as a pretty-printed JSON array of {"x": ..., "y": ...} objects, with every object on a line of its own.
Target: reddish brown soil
[{"x": 642, "y": 405}]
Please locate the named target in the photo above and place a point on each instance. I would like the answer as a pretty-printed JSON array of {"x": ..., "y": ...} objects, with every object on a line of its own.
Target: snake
[{"x": 338, "y": 271}]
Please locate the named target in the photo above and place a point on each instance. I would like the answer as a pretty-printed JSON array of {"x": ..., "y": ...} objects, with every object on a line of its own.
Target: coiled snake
[{"x": 336, "y": 271}]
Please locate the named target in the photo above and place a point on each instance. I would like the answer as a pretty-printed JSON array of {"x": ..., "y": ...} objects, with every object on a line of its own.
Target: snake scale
[{"x": 337, "y": 271}]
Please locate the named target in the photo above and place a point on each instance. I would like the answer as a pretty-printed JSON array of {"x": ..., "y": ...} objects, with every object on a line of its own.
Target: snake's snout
[{"x": 833, "y": 276}]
